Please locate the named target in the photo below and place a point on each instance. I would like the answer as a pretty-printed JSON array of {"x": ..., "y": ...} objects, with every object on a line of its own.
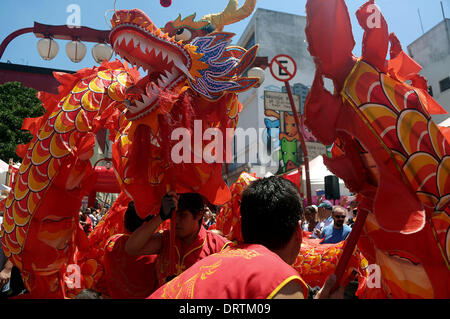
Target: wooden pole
[
  {"x": 349, "y": 247},
  {"x": 302, "y": 140}
]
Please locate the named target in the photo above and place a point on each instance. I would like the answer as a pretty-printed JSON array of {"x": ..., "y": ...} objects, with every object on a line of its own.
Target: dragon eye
[{"x": 183, "y": 35}]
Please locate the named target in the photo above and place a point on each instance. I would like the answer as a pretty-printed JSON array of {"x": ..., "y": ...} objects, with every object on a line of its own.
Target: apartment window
[{"x": 444, "y": 84}]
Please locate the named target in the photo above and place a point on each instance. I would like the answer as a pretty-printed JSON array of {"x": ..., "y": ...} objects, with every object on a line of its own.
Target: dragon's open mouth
[{"x": 137, "y": 40}]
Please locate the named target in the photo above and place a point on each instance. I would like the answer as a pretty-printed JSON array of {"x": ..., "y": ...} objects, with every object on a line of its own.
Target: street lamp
[
  {"x": 101, "y": 52},
  {"x": 47, "y": 48},
  {"x": 76, "y": 51},
  {"x": 257, "y": 72}
]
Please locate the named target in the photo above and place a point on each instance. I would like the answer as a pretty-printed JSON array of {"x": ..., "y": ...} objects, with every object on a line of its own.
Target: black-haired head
[{"x": 271, "y": 209}]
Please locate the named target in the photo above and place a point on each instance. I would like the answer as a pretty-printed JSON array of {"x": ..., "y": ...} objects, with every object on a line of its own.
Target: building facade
[
  {"x": 266, "y": 140},
  {"x": 432, "y": 52}
]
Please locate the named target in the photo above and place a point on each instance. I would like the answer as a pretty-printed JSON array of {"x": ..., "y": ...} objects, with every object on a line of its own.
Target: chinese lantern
[{"x": 166, "y": 3}]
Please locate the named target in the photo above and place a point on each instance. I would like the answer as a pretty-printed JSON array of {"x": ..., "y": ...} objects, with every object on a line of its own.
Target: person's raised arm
[{"x": 144, "y": 241}]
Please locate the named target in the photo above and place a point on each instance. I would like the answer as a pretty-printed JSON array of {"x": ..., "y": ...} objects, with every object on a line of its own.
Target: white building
[
  {"x": 275, "y": 33},
  {"x": 432, "y": 52}
]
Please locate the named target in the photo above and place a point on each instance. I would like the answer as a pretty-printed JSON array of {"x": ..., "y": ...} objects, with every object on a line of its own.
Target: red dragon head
[
  {"x": 183, "y": 50},
  {"x": 193, "y": 74}
]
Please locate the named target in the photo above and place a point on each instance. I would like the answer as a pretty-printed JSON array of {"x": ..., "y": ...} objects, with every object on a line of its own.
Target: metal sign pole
[{"x": 302, "y": 140}]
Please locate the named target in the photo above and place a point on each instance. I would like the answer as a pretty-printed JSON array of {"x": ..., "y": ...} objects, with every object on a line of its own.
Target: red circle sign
[{"x": 283, "y": 67}]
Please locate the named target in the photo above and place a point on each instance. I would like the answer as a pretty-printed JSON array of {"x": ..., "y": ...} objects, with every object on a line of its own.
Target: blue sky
[{"x": 401, "y": 15}]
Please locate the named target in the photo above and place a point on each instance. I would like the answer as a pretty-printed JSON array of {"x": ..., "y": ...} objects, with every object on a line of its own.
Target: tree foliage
[{"x": 17, "y": 102}]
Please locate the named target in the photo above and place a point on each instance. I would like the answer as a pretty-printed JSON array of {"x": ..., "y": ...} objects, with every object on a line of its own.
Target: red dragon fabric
[
  {"x": 315, "y": 262},
  {"x": 392, "y": 153},
  {"x": 191, "y": 87}
]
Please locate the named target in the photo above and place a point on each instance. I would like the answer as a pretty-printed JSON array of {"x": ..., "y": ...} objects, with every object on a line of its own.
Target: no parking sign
[{"x": 283, "y": 68}]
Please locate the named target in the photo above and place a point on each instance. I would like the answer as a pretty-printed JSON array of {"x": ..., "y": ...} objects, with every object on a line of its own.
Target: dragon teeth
[
  {"x": 164, "y": 55},
  {"x": 164, "y": 79},
  {"x": 127, "y": 38},
  {"x": 167, "y": 57},
  {"x": 182, "y": 68},
  {"x": 155, "y": 90},
  {"x": 143, "y": 46},
  {"x": 146, "y": 99},
  {"x": 157, "y": 52},
  {"x": 140, "y": 105}
]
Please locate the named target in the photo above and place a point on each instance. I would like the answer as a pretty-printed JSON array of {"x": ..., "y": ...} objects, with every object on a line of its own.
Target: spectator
[
  {"x": 103, "y": 212},
  {"x": 92, "y": 215},
  {"x": 324, "y": 213},
  {"x": 86, "y": 221},
  {"x": 338, "y": 231},
  {"x": 311, "y": 219},
  {"x": 193, "y": 242},
  {"x": 209, "y": 218},
  {"x": 352, "y": 212},
  {"x": 260, "y": 267}
]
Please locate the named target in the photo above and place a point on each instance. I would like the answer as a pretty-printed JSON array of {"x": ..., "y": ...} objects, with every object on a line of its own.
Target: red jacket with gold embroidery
[
  {"x": 245, "y": 271},
  {"x": 206, "y": 243}
]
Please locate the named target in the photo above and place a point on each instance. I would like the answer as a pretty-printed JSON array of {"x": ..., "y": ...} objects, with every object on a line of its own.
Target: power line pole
[
  {"x": 420, "y": 19},
  {"x": 446, "y": 26}
]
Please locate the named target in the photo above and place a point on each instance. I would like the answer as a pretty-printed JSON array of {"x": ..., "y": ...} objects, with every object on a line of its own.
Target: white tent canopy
[
  {"x": 3, "y": 171},
  {"x": 446, "y": 123},
  {"x": 317, "y": 173}
]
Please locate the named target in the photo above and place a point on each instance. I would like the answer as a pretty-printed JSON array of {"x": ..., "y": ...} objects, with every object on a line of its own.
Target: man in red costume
[
  {"x": 260, "y": 267},
  {"x": 128, "y": 277},
  {"x": 192, "y": 241}
]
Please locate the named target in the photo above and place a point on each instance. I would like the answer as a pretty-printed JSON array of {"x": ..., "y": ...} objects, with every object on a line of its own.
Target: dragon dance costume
[
  {"x": 387, "y": 148},
  {"x": 390, "y": 151},
  {"x": 194, "y": 75}
]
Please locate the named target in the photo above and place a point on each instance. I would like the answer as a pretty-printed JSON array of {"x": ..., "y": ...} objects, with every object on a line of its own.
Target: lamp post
[
  {"x": 257, "y": 72},
  {"x": 76, "y": 50}
]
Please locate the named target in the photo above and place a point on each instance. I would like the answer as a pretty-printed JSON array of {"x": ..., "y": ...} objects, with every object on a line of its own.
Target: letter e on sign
[{"x": 283, "y": 68}]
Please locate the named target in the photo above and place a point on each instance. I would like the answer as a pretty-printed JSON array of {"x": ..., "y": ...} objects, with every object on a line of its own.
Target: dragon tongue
[
  {"x": 134, "y": 90},
  {"x": 139, "y": 88}
]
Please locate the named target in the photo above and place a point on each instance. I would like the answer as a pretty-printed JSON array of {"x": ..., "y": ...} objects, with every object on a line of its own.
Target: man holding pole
[
  {"x": 192, "y": 241},
  {"x": 271, "y": 212}
]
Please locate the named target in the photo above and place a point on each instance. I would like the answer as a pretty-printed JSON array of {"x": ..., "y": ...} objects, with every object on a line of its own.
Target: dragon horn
[{"x": 231, "y": 14}]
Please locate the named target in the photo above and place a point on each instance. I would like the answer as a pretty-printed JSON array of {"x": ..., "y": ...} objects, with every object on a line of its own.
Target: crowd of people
[
  {"x": 330, "y": 223},
  {"x": 91, "y": 216},
  {"x": 273, "y": 223}
]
